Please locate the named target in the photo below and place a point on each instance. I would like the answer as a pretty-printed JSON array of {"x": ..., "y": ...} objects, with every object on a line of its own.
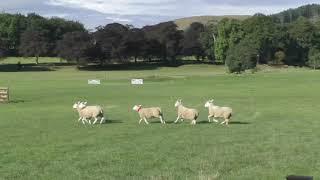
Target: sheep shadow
[
  {"x": 17, "y": 101},
  {"x": 218, "y": 123},
  {"x": 239, "y": 122},
  {"x": 205, "y": 122},
  {"x": 112, "y": 121}
]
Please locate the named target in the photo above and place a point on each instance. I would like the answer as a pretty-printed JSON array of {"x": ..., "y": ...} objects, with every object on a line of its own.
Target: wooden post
[{"x": 4, "y": 94}]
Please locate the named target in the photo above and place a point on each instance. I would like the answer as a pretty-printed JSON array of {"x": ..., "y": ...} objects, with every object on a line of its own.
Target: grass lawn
[{"x": 275, "y": 129}]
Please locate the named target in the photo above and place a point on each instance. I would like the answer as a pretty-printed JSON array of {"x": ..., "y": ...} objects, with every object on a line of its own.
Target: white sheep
[
  {"x": 147, "y": 113},
  {"x": 218, "y": 112},
  {"x": 88, "y": 112},
  {"x": 186, "y": 113},
  {"x": 76, "y": 106}
]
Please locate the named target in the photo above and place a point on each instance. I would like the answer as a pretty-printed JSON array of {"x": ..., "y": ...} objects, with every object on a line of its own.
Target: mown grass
[{"x": 275, "y": 130}]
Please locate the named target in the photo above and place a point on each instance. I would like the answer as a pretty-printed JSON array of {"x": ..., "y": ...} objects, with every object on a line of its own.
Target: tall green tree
[
  {"x": 242, "y": 56},
  {"x": 207, "y": 39},
  {"x": 75, "y": 46},
  {"x": 33, "y": 44},
  {"x": 191, "y": 44},
  {"x": 314, "y": 58},
  {"x": 229, "y": 34},
  {"x": 261, "y": 29},
  {"x": 168, "y": 35},
  {"x": 110, "y": 39}
]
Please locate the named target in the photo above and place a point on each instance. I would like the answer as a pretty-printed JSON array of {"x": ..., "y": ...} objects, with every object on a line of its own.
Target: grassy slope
[
  {"x": 184, "y": 23},
  {"x": 276, "y": 129}
]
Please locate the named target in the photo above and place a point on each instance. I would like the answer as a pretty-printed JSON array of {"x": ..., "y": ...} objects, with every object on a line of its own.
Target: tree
[
  {"x": 303, "y": 33},
  {"x": 229, "y": 33},
  {"x": 191, "y": 44},
  {"x": 133, "y": 43},
  {"x": 110, "y": 39},
  {"x": 207, "y": 39},
  {"x": 33, "y": 44},
  {"x": 3, "y": 49},
  {"x": 242, "y": 56},
  {"x": 314, "y": 58},
  {"x": 151, "y": 49},
  {"x": 279, "y": 57},
  {"x": 75, "y": 46},
  {"x": 168, "y": 36},
  {"x": 261, "y": 29}
]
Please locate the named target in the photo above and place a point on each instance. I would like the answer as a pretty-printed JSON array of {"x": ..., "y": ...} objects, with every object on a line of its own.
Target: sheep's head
[
  {"x": 208, "y": 103},
  {"x": 136, "y": 107},
  {"x": 178, "y": 103},
  {"x": 82, "y": 105},
  {"x": 76, "y": 105}
]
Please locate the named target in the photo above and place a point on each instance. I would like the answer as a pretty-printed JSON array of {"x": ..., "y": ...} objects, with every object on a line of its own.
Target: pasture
[{"x": 273, "y": 133}]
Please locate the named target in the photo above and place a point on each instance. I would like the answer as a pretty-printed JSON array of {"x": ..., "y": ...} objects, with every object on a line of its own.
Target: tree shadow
[
  {"x": 24, "y": 68},
  {"x": 123, "y": 66}
]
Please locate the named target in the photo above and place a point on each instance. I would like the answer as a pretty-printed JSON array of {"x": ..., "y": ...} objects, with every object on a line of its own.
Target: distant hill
[
  {"x": 184, "y": 23},
  {"x": 311, "y": 12}
]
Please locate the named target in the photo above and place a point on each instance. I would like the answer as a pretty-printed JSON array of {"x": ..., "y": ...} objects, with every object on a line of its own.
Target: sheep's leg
[
  {"x": 193, "y": 122},
  {"x": 102, "y": 120},
  {"x": 145, "y": 120},
  {"x": 209, "y": 118},
  {"x": 223, "y": 122},
  {"x": 215, "y": 120},
  {"x": 162, "y": 121},
  {"x": 177, "y": 119},
  {"x": 79, "y": 119},
  {"x": 84, "y": 120},
  {"x": 90, "y": 121},
  {"x": 95, "y": 120},
  {"x": 140, "y": 121},
  {"x": 227, "y": 122},
  {"x": 182, "y": 119}
]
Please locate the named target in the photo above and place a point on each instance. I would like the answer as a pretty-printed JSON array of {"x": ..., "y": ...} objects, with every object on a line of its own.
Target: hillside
[
  {"x": 184, "y": 23},
  {"x": 311, "y": 12}
]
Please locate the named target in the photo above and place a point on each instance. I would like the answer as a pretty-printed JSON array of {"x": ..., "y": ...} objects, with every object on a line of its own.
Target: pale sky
[{"x": 142, "y": 12}]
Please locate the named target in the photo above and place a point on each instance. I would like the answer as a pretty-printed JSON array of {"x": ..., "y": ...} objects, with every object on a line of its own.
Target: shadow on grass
[
  {"x": 17, "y": 101},
  {"x": 139, "y": 65},
  {"x": 112, "y": 121},
  {"x": 238, "y": 122},
  {"x": 205, "y": 122},
  {"x": 25, "y": 68},
  {"x": 127, "y": 66},
  {"x": 218, "y": 123}
]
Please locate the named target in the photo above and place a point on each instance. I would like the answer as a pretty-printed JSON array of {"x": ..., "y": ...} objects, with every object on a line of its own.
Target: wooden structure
[{"x": 4, "y": 94}]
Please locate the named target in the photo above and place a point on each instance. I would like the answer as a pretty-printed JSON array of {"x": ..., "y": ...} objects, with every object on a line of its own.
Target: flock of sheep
[{"x": 86, "y": 113}]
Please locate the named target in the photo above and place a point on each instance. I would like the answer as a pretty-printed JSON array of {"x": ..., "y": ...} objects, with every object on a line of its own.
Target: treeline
[
  {"x": 239, "y": 44},
  {"x": 33, "y": 35}
]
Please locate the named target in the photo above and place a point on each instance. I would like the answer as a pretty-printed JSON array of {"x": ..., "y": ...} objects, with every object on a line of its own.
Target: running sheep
[
  {"x": 218, "y": 112},
  {"x": 88, "y": 112},
  {"x": 147, "y": 113},
  {"x": 186, "y": 113}
]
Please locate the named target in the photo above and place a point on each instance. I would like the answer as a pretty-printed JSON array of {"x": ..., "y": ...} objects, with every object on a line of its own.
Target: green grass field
[{"x": 275, "y": 129}]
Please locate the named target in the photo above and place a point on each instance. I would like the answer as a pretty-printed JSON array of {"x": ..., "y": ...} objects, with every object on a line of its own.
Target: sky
[{"x": 93, "y": 13}]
